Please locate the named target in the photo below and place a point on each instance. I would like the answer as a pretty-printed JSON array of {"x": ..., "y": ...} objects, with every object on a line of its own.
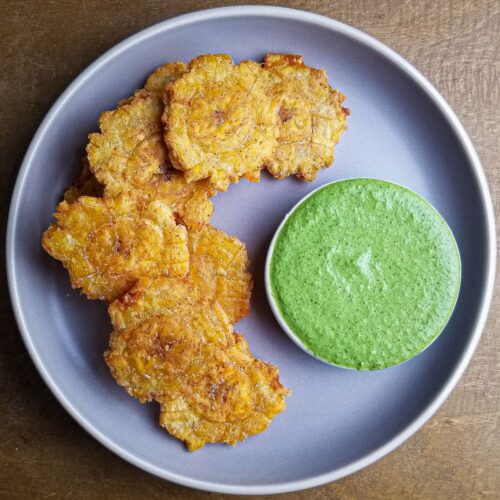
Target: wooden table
[{"x": 44, "y": 45}]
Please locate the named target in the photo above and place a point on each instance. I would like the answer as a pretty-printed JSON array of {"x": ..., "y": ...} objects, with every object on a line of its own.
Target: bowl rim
[
  {"x": 391, "y": 56},
  {"x": 267, "y": 273}
]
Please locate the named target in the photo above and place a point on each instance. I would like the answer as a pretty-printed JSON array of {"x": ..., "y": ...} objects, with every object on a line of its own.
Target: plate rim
[{"x": 438, "y": 101}]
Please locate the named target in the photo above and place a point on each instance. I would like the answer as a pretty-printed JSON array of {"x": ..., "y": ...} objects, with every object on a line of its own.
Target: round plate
[{"x": 337, "y": 421}]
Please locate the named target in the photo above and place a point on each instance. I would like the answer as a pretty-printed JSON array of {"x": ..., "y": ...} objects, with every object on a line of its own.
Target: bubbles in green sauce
[{"x": 365, "y": 273}]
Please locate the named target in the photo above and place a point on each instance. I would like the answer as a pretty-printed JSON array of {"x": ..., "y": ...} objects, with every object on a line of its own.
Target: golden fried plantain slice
[
  {"x": 233, "y": 397},
  {"x": 218, "y": 276},
  {"x": 218, "y": 268},
  {"x": 107, "y": 244},
  {"x": 136, "y": 353},
  {"x": 311, "y": 115},
  {"x": 220, "y": 124},
  {"x": 85, "y": 185},
  {"x": 129, "y": 154},
  {"x": 210, "y": 387}
]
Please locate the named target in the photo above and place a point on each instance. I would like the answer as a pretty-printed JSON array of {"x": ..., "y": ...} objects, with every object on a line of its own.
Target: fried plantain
[
  {"x": 135, "y": 350},
  {"x": 129, "y": 154},
  {"x": 210, "y": 387},
  {"x": 221, "y": 124},
  {"x": 107, "y": 244},
  {"x": 228, "y": 399},
  {"x": 311, "y": 117}
]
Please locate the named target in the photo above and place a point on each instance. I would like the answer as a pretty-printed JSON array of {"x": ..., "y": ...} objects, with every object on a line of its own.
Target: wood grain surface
[{"x": 44, "y": 46}]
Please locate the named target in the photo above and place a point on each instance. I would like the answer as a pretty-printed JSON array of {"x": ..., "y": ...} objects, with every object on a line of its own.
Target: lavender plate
[{"x": 337, "y": 421}]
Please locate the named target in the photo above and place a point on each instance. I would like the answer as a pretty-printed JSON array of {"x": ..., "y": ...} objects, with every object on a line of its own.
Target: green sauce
[{"x": 365, "y": 273}]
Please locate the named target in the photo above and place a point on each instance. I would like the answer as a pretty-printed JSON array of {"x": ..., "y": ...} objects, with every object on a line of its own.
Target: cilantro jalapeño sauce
[{"x": 365, "y": 273}]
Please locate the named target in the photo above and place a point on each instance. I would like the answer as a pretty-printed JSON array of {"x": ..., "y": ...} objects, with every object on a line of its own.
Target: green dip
[{"x": 365, "y": 273}]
